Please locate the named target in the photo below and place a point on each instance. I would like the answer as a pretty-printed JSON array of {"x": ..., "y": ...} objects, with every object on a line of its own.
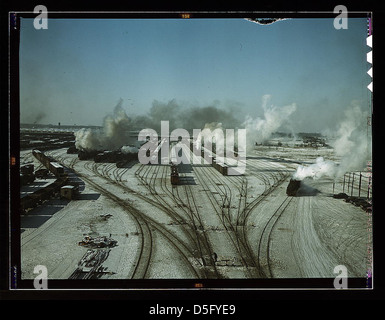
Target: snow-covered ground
[{"x": 210, "y": 226}]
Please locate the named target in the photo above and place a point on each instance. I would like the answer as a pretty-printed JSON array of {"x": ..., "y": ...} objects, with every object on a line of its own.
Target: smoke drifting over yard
[
  {"x": 117, "y": 126},
  {"x": 350, "y": 144}
]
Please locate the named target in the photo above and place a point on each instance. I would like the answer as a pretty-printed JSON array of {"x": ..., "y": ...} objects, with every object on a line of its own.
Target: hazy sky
[{"x": 76, "y": 71}]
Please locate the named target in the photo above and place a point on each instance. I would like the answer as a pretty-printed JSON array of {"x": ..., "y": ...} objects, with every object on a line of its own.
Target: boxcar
[{"x": 56, "y": 169}]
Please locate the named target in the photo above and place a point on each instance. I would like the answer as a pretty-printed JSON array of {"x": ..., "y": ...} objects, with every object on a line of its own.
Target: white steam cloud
[
  {"x": 316, "y": 170},
  {"x": 129, "y": 149},
  {"x": 351, "y": 145},
  {"x": 259, "y": 130},
  {"x": 113, "y": 135}
]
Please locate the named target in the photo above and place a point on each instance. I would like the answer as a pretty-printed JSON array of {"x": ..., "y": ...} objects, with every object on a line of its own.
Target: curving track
[{"x": 145, "y": 223}]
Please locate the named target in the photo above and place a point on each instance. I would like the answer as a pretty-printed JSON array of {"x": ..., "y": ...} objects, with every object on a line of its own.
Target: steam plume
[
  {"x": 316, "y": 170},
  {"x": 351, "y": 145},
  {"x": 129, "y": 149},
  {"x": 259, "y": 130},
  {"x": 113, "y": 135}
]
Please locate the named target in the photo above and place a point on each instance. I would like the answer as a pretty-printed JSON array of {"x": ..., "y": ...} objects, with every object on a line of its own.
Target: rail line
[
  {"x": 264, "y": 242},
  {"x": 199, "y": 242},
  {"x": 146, "y": 243},
  {"x": 231, "y": 231},
  {"x": 240, "y": 242},
  {"x": 145, "y": 223},
  {"x": 205, "y": 249},
  {"x": 149, "y": 180},
  {"x": 234, "y": 224},
  {"x": 250, "y": 207},
  {"x": 239, "y": 227},
  {"x": 183, "y": 248}
]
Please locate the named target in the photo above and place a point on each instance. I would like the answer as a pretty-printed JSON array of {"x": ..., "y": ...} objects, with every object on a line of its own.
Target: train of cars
[
  {"x": 33, "y": 138},
  {"x": 55, "y": 168},
  {"x": 35, "y": 198},
  {"x": 120, "y": 158},
  {"x": 27, "y": 174},
  {"x": 217, "y": 164}
]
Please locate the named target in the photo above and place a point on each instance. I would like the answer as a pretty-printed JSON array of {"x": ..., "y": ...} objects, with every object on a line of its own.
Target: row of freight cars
[
  {"x": 34, "y": 199},
  {"x": 217, "y": 165},
  {"x": 55, "y": 168},
  {"x": 45, "y": 140},
  {"x": 220, "y": 167},
  {"x": 120, "y": 158}
]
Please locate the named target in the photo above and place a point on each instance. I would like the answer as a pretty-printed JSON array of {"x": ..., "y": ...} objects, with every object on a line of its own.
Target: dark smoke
[
  {"x": 189, "y": 118},
  {"x": 39, "y": 116},
  {"x": 117, "y": 126}
]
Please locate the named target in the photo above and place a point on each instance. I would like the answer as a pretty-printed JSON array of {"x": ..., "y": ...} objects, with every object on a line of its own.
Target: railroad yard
[{"x": 130, "y": 221}]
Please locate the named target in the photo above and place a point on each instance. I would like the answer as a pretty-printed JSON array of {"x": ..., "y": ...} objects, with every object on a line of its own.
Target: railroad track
[
  {"x": 205, "y": 249},
  {"x": 225, "y": 220},
  {"x": 242, "y": 215},
  {"x": 149, "y": 180},
  {"x": 146, "y": 242},
  {"x": 264, "y": 242},
  {"x": 278, "y": 178},
  {"x": 148, "y": 176},
  {"x": 149, "y": 223},
  {"x": 198, "y": 241},
  {"x": 195, "y": 224},
  {"x": 222, "y": 207}
]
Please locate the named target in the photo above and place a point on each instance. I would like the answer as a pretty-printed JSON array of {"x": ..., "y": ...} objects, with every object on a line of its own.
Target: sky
[{"x": 77, "y": 70}]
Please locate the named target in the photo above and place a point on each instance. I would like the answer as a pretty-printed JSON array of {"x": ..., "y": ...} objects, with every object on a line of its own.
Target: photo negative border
[{"x": 13, "y": 220}]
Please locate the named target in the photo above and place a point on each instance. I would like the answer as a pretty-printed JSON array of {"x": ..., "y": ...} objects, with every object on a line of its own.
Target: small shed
[{"x": 67, "y": 192}]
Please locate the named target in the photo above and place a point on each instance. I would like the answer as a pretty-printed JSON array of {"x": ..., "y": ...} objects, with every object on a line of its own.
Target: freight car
[
  {"x": 106, "y": 156},
  {"x": 174, "y": 174},
  {"x": 26, "y": 178},
  {"x": 57, "y": 169},
  {"x": 72, "y": 150},
  {"x": 87, "y": 155},
  {"x": 36, "y": 198},
  {"x": 115, "y": 157},
  {"x": 37, "y": 154},
  {"x": 27, "y": 169},
  {"x": 215, "y": 164},
  {"x": 125, "y": 158},
  {"x": 54, "y": 167},
  {"x": 26, "y": 174},
  {"x": 43, "y": 158},
  {"x": 41, "y": 173},
  {"x": 222, "y": 168}
]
